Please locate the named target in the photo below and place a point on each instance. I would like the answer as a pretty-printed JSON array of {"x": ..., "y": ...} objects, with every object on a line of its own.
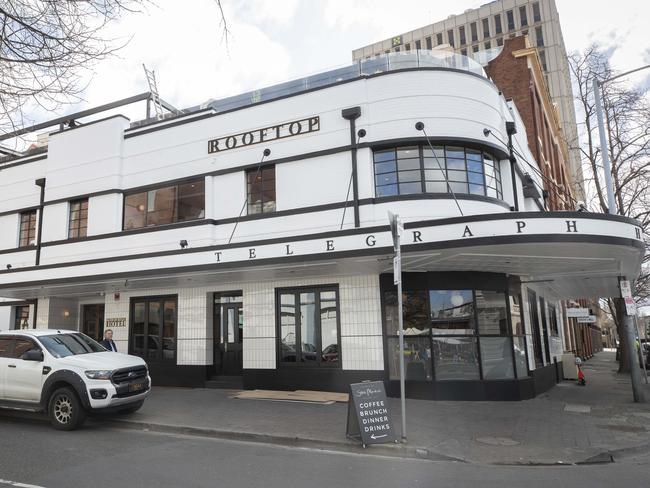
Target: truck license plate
[{"x": 137, "y": 386}]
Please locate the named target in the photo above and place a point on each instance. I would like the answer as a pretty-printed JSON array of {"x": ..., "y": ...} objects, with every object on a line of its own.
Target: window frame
[
  {"x": 537, "y": 12},
  {"x": 498, "y": 25},
  {"x": 75, "y": 225},
  {"x": 176, "y": 185},
  {"x": 296, "y": 291},
  {"x": 475, "y": 336},
  {"x": 262, "y": 191},
  {"x": 510, "y": 20},
  {"x": 486, "y": 27},
  {"x": 539, "y": 36},
  {"x": 523, "y": 15},
  {"x": 25, "y": 237},
  {"x": 473, "y": 29},
  {"x": 18, "y": 309},
  {"x": 147, "y": 300},
  {"x": 495, "y": 186}
]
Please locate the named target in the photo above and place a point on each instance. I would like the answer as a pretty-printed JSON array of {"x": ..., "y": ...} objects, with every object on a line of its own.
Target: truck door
[{"x": 24, "y": 379}]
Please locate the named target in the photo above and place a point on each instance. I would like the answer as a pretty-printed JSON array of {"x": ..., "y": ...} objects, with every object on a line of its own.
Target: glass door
[
  {"x": 153, "y": 330},
  {"x": 229, "y": 334},
  {"x": 92, "y": 317}
]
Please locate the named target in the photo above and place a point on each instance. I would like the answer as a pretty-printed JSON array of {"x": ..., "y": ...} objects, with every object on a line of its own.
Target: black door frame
[
  {"x": 533, "y": 313},
  {"x": 547, "y": 348},
  {"x": 218, "y": 311},
  {"x": 103, "y": 317},
  {"x": 147, "y": 300}
]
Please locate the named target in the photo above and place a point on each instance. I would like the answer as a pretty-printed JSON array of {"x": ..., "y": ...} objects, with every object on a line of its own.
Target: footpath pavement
[{"x": 569, "y": 424}]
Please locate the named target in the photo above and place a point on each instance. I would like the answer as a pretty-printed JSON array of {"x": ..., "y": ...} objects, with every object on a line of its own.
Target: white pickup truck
[{"x": 67, "y": 374}]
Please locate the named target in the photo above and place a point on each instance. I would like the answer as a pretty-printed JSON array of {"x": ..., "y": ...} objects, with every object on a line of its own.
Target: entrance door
[
  {"x": 229, "y": 333},
  {"x": 92, "y": 317},
  {"x": 547, "y": 349}
]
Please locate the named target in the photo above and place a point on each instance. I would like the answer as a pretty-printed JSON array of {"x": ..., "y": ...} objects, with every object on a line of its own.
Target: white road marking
[{"x": 18, "y": 485}]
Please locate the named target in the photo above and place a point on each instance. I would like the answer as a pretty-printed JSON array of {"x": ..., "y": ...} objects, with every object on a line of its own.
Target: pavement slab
[{"x": 565, "y": 425}]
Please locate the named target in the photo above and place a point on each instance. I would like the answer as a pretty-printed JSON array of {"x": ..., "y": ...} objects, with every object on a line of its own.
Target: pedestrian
[{"x": 108, "y": 340}]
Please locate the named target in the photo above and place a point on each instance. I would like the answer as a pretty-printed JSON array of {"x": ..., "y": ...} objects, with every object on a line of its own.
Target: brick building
[{"x": 517, "y": 72}]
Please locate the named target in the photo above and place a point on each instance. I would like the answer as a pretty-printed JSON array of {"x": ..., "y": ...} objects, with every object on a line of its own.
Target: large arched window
[{"x": 418, "y": 169}]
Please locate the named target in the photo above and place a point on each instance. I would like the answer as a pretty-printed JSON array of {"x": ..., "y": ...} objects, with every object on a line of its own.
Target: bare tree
[
  {"x": 46, "y": 45},
  {"x": 627, "y": 113}
]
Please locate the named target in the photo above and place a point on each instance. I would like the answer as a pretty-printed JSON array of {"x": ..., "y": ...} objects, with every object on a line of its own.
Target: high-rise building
[{"x": 485, "y": 28}]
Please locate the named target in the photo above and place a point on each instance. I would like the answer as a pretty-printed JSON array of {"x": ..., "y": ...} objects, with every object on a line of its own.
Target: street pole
[
  {"x": 396, "y": 229},
  {"x": 641, "y": 347},
  {"x": 626, "y": 309},
  {"x": 611, "y": 203}
]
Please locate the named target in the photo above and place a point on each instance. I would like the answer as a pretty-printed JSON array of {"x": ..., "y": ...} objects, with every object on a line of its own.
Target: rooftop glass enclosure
[{"x": 365, "y": 67}]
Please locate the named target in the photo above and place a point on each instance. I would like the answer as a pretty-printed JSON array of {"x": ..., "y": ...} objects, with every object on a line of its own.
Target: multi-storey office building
[
  {"x": 250, "y": 237},
  {"x": 487, "y": 27}
]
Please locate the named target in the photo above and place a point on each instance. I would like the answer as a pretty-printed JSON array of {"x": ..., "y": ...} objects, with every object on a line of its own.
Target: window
[
  {"x": 523, "y": 17},
  {"x": 450, "y": 37},
  {"x": 536, "y": 14},
  {"x": 64, "y": 345},
  {"x": 463, "y": 52},
  {"x": 444, "y": 332},
  {"x": 308, "y": 326},
  {"x": 474, "y": 31},
  {"x": 497, "y": 24},
  {"x": 78, "y": 218},
  {"x": 417, "y": 169},
  {"x": 27, "y": 229},
  {"x": 539, "y": 35},
  {"x": 461, "y": 34},
  {"x": 486, "y": 28},
  {"x": 488, "y": 45},
  {"x": 553, "y": 320},
  {"x": 474, "y": 49},
  {"x": 166, "y": 205},
  {"x": 500, "y": 41},
  {"x": 418, "y": 45},
  {"x": 153, "y": 333},
  {"x": 407, "y": 46},
  {"x": 439, "y": 38},
  {"x": 542, "y": 59},
  {"x": 5, "y": 346},
  {"x": 510, "y": 17},
  {"x": 427, "y": 42},
  {"x": 21, "y": 346},
  {"x": 261, "y": 190},
  {"x": 21, "y": 317},
  {"x": 397, "y": 49}
]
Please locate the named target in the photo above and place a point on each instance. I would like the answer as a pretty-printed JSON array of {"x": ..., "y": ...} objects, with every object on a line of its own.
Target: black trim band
[{"x": 458, "y": 243}]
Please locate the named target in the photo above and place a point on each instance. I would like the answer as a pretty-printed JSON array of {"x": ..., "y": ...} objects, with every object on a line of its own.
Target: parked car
[{"x": 67, "y": 374}]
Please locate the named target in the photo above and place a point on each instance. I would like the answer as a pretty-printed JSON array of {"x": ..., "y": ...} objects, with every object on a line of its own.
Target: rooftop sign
[{"x": 266, "y": 134}]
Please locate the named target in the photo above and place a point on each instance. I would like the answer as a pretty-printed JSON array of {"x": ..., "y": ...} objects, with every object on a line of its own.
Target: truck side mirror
[{"x": 33, "y": 355}]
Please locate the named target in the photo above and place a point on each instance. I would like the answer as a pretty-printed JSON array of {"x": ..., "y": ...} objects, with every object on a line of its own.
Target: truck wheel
[
  {"x": 65, "y": 410},
  {"x": 132, "y": 408}
]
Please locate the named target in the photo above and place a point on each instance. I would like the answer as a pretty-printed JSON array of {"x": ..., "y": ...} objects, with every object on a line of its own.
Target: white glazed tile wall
[{"x": 360, "y": 317}]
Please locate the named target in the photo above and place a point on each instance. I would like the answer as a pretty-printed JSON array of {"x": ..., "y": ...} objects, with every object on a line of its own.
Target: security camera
[
  {"x": 581, "y": 207},
  {"x": 183, "y": 244},
  {"x": 361, "y": 133},
  {"x": 9, "y": 266},
  {"x": 419, "y": 126}
]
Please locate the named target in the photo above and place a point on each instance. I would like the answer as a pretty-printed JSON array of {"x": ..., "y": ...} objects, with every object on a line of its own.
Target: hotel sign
[{"x": 265, "y": 134}]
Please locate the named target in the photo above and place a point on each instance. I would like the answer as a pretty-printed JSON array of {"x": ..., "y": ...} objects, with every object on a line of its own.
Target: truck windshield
[{"x": 63, "y": 345}]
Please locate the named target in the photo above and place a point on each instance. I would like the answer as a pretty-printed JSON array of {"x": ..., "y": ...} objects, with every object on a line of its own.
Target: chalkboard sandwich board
[{"x": 369, "y": 414}]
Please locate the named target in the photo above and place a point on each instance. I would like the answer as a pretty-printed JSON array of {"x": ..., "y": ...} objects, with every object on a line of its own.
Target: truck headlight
[{"x": 102, "y": 374}]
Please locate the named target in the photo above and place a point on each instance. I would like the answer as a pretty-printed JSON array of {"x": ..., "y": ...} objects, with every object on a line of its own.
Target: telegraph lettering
[
  {"x": 251, "y": 137},
  {"x": 571, "y": 226},
  {"x": 370, "y": 241},
  {"x": 520, "y": 225},
  {"x": 467, "y": 233},
  {"x": 638, "y": 232},
  {"x": 417, "y": 236}
]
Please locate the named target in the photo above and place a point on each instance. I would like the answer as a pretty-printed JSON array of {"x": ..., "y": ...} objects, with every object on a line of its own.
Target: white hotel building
[{"x": 219, "y": 265}]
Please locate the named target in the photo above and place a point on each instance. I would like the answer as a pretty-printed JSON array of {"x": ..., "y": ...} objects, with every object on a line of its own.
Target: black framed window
[
  {"x": 486, "y": 28},
  {"x": 407, "y": 47},
  {"x": 542, "y": 59},
  {"x": 453, "y": 335},
  {"x": 539, "y": 36},
  {"x": 461, "y": 35},
  {"x": 473, "y": 31},
  {"x": 536, "y": 13},
  {"x": 21, "y": 317},
  {"x": 420, "y": 169},
  {"x": 497, "y": 24},
  {"x": 487, "y": 45},
  {"x": 523, "y": 16},
  {"x": 153, "y": 328},
  {"x": 261, "y": 190},
  {"x": 552, "y": 317},
  {"x": 500, "y": 41},
  {"x": 308, "y": 326},
  {"x": 450, "y": 37},
  {"x": 427, "y": 42},
  {"x": 519, "y": 339},
  {"x": 510, "y": 17},
  {"x": 27, "y": 236},
  {"x": 439, "y": 38},
  {"x": 78, "y": 218},
  {"x": 165, "y": 205}
]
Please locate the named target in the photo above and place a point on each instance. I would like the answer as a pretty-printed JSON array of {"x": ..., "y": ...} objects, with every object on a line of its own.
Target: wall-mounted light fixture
[
  {"x": 66, "y": 312},
  {"x": 183, "y": 244},
  {"x": 9, "y": 266}
]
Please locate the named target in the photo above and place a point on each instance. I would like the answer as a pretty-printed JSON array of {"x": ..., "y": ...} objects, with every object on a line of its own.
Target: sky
[{"x": 276, "y": 40}]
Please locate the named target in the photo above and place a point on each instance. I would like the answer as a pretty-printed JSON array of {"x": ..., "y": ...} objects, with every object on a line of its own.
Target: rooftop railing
[{"x": 365, "y": 67}]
